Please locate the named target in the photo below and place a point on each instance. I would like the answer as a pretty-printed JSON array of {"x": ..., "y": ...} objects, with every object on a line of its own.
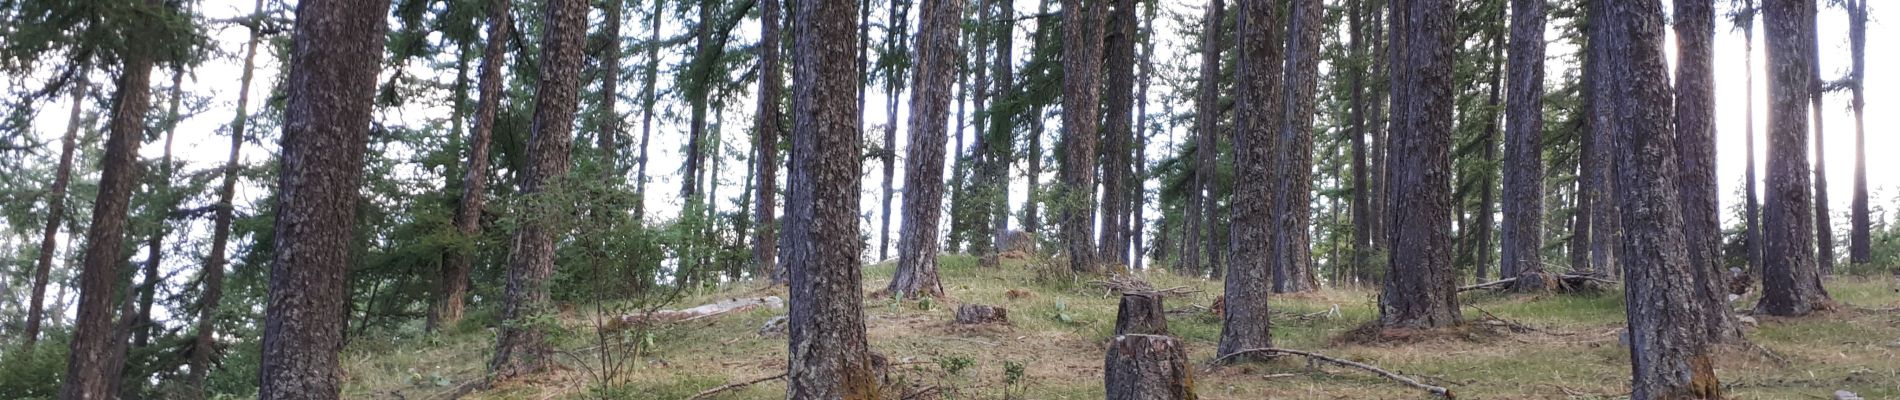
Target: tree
[
  {"x": 336, "y": 53},
  {"x": 828, "y": 355},
  {"x": 1823, "y": 225},
  {"x": 1001, "y": 141},
  {"x": 1081, "y": 93},
  {"x": 1362, "y": 218},
  {"x": 452, "y": 287},
  {"x": 893, "y": 63},
  {"x": 1791, "y": 284},
  {"x": 1292, "y": 200},
  {"x": 1419, "y": 288},
  {"x": 204, "y": 343},
  {"x": 1859, "y": 248},
  {"x": 522, "y": 347},
  {"x": 1744, "y": 17},
  {"x": 1605, "y": 225},
  {"x": 55, "y": 213},
  {"x": 1670, "y": 359},
  {"x": 1206, "y": 111},
  {"x": 917, "y": 248},
  {"x": 647, "y": 100},
  {"x": 1695, "y": 150},
  {"x": 1119, "y": 131},
  {"x": 1246, "y": 325},
  {"x": 771, "y": 83},
  {"x": 1522, "y": 236}
]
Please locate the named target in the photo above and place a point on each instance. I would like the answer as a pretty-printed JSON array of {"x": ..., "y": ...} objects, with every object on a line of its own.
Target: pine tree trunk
[
  {"x": 936, "y": 49},
  {"x": 1484, "y": 223},
  {"x": 1859, "y": 248},
  {"x": 1082, "y": 30},
  {"x": 608, "y": 116},
  {"x": 1292, "y": 201},
  {"x": 1138, "y": 194},
  {"x": 893, "y": 81},
  {"x": 337, "y": 52},
  {"x": 1695, "y": 149},
  {"x": 1419, "y": 289},
  {"x": 1605, "y": 229},
  {"x": 1668, "y": 352},
  {"x": 1823, "y": 220},
  {"x": 1245, "y": 324},
  {"x": 1789, "y": 276},
  {"x": 1118, "y": 132},
  {"x": 1002, "y": 124},
  {"x": 205, "y": 340},
  {"x": 771, "y": 83},
  {"x": 1752, "y": 218},
  {"x": 1356, "y": 77},
  {"x": 143, "y": 325},
  {"x": 829, "y": 357},
  {"x": 1206, "y": 110},
  {"x": 55, "y": 212},
  {"x": 648, "y": 99},
  {"x": 1378, "y": 237},
  {"x": 522, "y": 347},
  {"x": 1522, "y": 236},
  {"x": 452, "y": 286}
]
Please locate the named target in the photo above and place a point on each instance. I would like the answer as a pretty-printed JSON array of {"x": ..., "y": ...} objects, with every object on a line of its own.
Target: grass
[{"x": 1057, "y": 334}]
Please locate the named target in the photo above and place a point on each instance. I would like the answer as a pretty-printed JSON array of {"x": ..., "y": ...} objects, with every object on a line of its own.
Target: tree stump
[
  {"x": 1141, "y": 313},
  {"x": 1147, "y": 367},
  {"x": 981, "y": 314}
]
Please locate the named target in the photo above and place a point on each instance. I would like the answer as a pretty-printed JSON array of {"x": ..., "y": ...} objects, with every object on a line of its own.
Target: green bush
[{"x": 33, "y": 373}]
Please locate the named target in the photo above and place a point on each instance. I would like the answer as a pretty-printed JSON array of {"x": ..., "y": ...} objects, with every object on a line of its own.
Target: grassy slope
[{"x": 1057, "y": 334}]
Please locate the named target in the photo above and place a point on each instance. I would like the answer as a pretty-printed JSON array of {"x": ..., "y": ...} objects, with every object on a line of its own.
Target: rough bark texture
[
  {"x": 828, "y": 355},
  {"x": 522, "y": 347},
  {"x": 917, "y": 246},
  {"x": 205, "y": 343},
  {"x": 1376, "y": 111},
  {"x": 771, "y": 85},
  {"x": 1668, "y": 353},
  {"x": 1790, "y": 281},
  {"x": 1206, "y": 115},
  {"x": 1118, "y": 131},
  {"x": 1147, "y": 367},
  {"x": 1245, "y": 323},
  {"x": 336, "y": 51},
  {"x": 1859, "y": 247},
  {"x": 1362, "y": 238},
  {"x": 1605, "y": 228},
  {"x": 893, "y": 79},
  {"x": 1419, "y": 290},
  {"x": 452, "y": 288},
  {"x": 1141, "y": 314},
  {"x": 55, "y": 215},
  {"x": 1081, "y": 95},
  {"x": 1695, "y": 151},
  {"x": 1138, "y": 193},
  {"x": 1292, "y": 255},
  {"x": 91, "y": 367},
  {"x": 981, "y": 314},
  {"x": 1522, "y": 235}
]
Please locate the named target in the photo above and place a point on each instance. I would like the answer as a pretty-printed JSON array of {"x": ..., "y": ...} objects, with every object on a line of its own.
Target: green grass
[{"x": 1059, "y": 331}]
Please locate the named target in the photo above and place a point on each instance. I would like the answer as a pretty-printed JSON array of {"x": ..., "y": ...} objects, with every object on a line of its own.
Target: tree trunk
[
  {"x": 1668, "y": 353},
  {"x": 1859, "y": 248},
  {"x": 698, "y": 91},
  {"x": 1420, "y": 282},
  {"x": 1789, "y": 276},
  {"x": 205, "y": 343},
  {"x": 771, "y": 83},
  {"x": 829, "y": 357},
  {"x": 55, "y": 213},
  {"x": 647, "y": 101},
  {"x": 1695, "y": 149},
  {"x": 1823, "y": 225},
  {"x": 1356, "y": 77},
  {"x": 608, "y": 117},
  {"x": 893, "y": 81},
  {"x": 1118, "y": 132},
  {"x": 1756, "y": 243},
  {"x": 1484, "y": 223},
  {"x": 1138, "y": 194},
  {"x": 1605, "y": 229},
  {"x": 936, "y": 48},
  {"x": 1001, "y": 141},
  {"x": 452, "y": 288},
  {"x": 1206, "y": 115},
  {"x": 1291, "y": 202},
  {"x": 143, "y": 326},
  {"x": 1147, "y": 367},
  {"x": 1376, "y": 111},
  {"x": 1082, "y": 29},
  {"x": 1522, "y": 236},
  {"x": 1245, "y": 323},
  {"x": 1141, "y": 314},
  {"x": 522, "y": 347},
  {"x": 90, "y": 371},
  {"x": 337, "y": 52}
]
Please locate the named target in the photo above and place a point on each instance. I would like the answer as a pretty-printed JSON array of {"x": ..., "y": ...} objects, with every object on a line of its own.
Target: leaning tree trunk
[
  {"x": 936, "y": 46},
  {"x": 828, "y": 355},
  {"x": 771, "y": 83},
  {"x": 1245, "y": 324},
  {"x": 1859, "y": 247},
  {"x": 1291, "y": 202},
  {"x": 1147, "y": 367},
  {"x": 522, "y": 347},
  {"x": 336, "y": 53},
  {"x": 90, "y": 370},
  {"x": 1118, "y": 131},
  {"x": 1789, "y": 275},
  {"x": 1522, "y": 236},
  {"x": 1668, "y": 353},
  {"x": 1420, "y": 287},
  {"x": 1695, "y": 149},
  {"x": 205, "y": 342},
  {"x": 55, "y": 214},
  {"x": 1081, "y": 90},
  {"x": 452, "y": 289}
]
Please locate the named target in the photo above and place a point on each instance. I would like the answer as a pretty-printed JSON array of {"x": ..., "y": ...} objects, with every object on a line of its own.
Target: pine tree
[
  {"x": 1082, "y": 30},
  {"x": 917, "y": 249},
  {"x": 55, "y": 211},
  {"x": 213, "y": 276},
  {"x": 1859, "y": 248},
  {"x": 1292, "y": 200},
  {"x": 1790, "y": 278},
  {"x": 1245, "y": 324},
  {"x": 766, "y": 123},
  {"x": 1695, "y": 151},
  {"x": 1522, "y": 237},
  {"x": 1419, "y": 288}
]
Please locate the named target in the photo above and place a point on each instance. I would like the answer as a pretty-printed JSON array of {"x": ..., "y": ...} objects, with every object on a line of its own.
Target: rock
[
  {"x": 981, "y": 314},
  {"x": 1747, "y": 321},
  {"x": 773, "y": 326},
  {"x": 1845, "y": 395}
]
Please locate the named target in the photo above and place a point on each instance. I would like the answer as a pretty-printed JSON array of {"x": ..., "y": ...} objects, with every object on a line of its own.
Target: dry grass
[{"x": 1058, "y": 328}]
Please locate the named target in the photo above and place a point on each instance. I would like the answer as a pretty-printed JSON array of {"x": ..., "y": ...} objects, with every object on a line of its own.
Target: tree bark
[
  {"x": 1859, "y": 248},
  {"x": 1605, "y": 229},
  {"x": 1206, "y": 115},
  {"x": 142, "y": 324},
  {"x": 1081, "y": 93},
  {"x": 336, "y": 53},
  {"x": 1668, "y": 353},
  {"x": 452, "y": 288},
  {"x": 1292, "y": 201},
  {"x": 1147, "y": 367},
  {"x": 771, "y": 83},
  {"x": 936, "y": 47},
  {"x": 1141, "y": 314},
  {"x": 608, "y": 116},
  {"x": 1138, "y": 194},
  {"x": 1119, "y": 88},
  {"x": 1756, "y": 243},
  {"x": 1001, "y": 140},
  {"x": 1245, "y": 323},
  {"x": 1420, "y": 290},
  {"x": 648, "y": 99},
  {"x": 205, "y": 343},
  {"x": 1356, "y": 78},
  {"x": 1823, "y": 225},
  {"x": 55, "y": 214},
  {"x": 1522, "y": 236},
  {"x": 893, "y": 81},
  {"x": 1790, "y": 280},
  {"x": 1695, "y": 150},
  {"x": 522, "y": 347}
]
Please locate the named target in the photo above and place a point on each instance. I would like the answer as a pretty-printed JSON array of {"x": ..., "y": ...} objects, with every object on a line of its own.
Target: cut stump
[
  {"x": 1147, "y": 367},
  {"x": 1141, "y": 313},
  {"x": 981, "y": 314}
]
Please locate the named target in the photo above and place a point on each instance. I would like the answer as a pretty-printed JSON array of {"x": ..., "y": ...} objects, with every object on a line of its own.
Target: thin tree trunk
[
  {"x": 1789, "y": 275},
  {"x": 1292, "y": 200},
  {"x": 1757, "y": 245},
  {"x": 1420, "y": 287},
  {"x": 1138, "y": 194},
  {"x": 771, "y": 83},
  {"x": 1245, "y": 324},
  {"x": 205, "y": 343},
  {"x": 608, "y": 117},
  {"x": 1823, "y": 220},
  {"x": 452, "y": 288},
  {"x": 646, "y": 103},
  {"x": 1118, "y": 131},
  {"x": 1522, "y": 236},
  {"x": 337, "y": 51},
  {"x": 1206, "y": 106},
  {"x": 1361, "y": 190},
  {"x": 1082, "y": 30},
  {"x": 55, "y": 212},
  {"x": 1487, "y": 181},
  {"x": 936, "y": 48},
  {"x": 522, "y": 347},
  {"x": 893, "y": 81},
  {"x": 1002, "y": 128},
  {"x": 143, "y": 325},
  {"x": 1695, "y": 150},
  {"x": 1376, "y": 111},
  {"x": 1859, "y": 248}
]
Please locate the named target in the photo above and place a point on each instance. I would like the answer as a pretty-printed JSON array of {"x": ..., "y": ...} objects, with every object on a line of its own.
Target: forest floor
[{"x": 1555, "y": 346}]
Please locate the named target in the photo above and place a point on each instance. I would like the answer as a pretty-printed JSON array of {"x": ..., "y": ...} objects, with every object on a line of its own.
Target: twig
[
  {"x": 1436, "y": 390},
  {"x": 731, "y": 386},
  {"x": 1516, "y": 326},
  {"x": 1486, "y": 285}
]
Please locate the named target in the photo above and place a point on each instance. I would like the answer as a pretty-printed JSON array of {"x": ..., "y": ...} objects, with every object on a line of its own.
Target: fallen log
[
  {"x": 1435, "y": 390},
  {"x": 731, "y": 386},
  {"x": 721, "y": 307},
  {"x": 1568, "y": 282}
]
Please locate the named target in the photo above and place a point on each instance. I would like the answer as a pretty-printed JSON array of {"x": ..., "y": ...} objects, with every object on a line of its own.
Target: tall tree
[
  {"x": 1356, "y": 77},
  {"x": 1695, "y": 151},
  {"x": 452, "y": 288},
  {"x": 336, "y": 53},
  {"x": 895, "y": 33},
  {"x": 1292, "y": 199},
  {"x": 1522, "y": 236},
  {"x": 1859, "y": 248},
  {"x": 1790, "y": 279},
  {"x": 1002, "y": 121},
  {"x": 828, "y": 355},
  {"x": 1823, "y": 220},
  {"x": 1246, "y": 325},
  {"x": 1605, "y": 225},
  {"x": 648, "y": 99},
  {"x": 162, "y": 206},
  {"x": 1138, "y": 193},
  {"x": 1206, "y": 111},
  {"x": 213, "y": 276},
  {"x": 522, "y": 347},
  {"x": 55, "y": 212},
  {"x": 1419, "y": 288},
  {"x": 936, "y": 47},
  {"x": 766, "y": 123},
  {"x": 1119, "y": 95},
  {"x": 1082, "y": 29},
  {"x": 1745, "y": 18}
]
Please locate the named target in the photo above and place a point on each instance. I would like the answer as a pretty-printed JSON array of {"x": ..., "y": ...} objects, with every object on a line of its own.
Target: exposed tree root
[{"x": 1270, "y": 351}]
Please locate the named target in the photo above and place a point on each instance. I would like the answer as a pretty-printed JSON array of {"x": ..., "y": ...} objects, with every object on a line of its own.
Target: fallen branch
[
  {"x": 731, "y": 386},
  {"x": 1487, "y": 285},
  {"x": 1514, "y": 325},
  {"x": 1436, "y": 390}
]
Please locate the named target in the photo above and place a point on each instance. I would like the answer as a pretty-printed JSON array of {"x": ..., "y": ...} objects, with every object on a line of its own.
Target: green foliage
[{"x": 35, "y": 372}]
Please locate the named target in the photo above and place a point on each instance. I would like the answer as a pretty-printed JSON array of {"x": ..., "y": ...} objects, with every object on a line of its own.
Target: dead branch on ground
[
  {"x": 731, "y": 386},
  {"x": 1436, "y": 390}
]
